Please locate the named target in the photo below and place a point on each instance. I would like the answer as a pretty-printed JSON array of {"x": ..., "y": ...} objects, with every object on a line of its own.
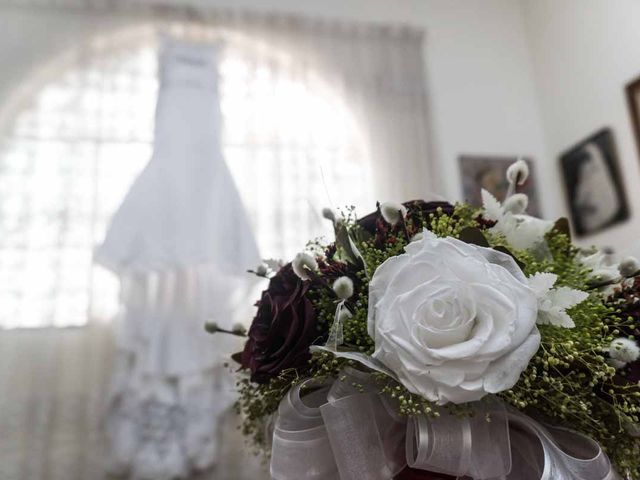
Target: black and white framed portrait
[
  {"x": 593, "y": 184},
  {"x": 633, "y": 101}
]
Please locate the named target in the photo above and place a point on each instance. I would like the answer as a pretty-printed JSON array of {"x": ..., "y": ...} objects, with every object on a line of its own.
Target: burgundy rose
[
  {"x": 417, "y": 211},
  {"x": 624, "y": 302},
  {"x": 283, "y": 329}
]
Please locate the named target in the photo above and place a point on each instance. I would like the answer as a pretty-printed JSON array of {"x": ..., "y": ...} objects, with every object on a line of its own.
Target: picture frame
[
  {"x": 632, "y": 91},
  {"x": 593, "y": 184},
  {"x": 488, "y": 172}
]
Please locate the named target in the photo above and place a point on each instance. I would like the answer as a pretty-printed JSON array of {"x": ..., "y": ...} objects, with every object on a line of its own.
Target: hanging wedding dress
[{"x": 181, "y": 244}]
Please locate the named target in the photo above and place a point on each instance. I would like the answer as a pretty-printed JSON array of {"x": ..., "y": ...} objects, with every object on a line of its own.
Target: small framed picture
[
  {"x": 593, "y": 185},
  {"x": 633, "y": 101},
  {"x": 489, "y": 172}
]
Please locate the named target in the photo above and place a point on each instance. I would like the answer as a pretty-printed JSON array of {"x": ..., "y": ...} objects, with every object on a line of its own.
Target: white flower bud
[
  {"x": 417, "y": 237},
  {"x": 624, "y": 350},
  {"x": 518, "y": 171},
  {"x": 343, "y": 287},
  {"x": 605, "y": 275},
  {"x": 211, "y": 327},
  {"x": 302, "y": 264},
  {"x": 239, "y": 329},
  {"x": 262, "y": 270},
  {"x": 629, "y": 267},
  {"x": 329, "y": 214},
  {"x": 617, "y": 364},
  {"x": 516, "y": 203},
  {"x": 392, "y": 212},
  {"x": 274, "y": 264}
]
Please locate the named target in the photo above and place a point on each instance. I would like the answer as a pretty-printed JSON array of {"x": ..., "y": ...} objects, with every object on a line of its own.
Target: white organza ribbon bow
[{"x": 344, "y": 430}]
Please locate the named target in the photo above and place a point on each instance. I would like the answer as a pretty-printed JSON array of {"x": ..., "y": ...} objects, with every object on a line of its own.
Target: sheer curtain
[
  {"x": 316, "y": 114},
  {"x": 360, "y": 136},
  {"x": 378, "y": 73},
  {"x": 65, "y": 163}
]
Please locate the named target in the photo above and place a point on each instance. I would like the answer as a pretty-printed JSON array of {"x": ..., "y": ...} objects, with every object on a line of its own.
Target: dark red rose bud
[{"x": 283, "y": 329}]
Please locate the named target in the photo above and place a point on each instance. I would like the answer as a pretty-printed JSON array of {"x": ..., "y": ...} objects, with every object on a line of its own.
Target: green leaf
[
  {"x": 473, "y": 236},
  {"x": 237, "y": 357},
  {"x": 345, "y": 246},
  {"x": 506, "y": 251}
]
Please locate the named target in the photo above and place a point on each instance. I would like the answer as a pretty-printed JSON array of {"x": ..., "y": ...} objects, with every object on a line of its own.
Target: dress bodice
[
  {"x": 187, "y": 65},
  {"x": 184, "y": 209},
  {"x": 188, "y": 123}
]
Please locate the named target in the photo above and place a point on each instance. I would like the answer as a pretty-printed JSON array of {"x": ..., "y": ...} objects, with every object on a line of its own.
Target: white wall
[
  {"x": 584, "y": 52},
  {"x": 479, "y": 76}
]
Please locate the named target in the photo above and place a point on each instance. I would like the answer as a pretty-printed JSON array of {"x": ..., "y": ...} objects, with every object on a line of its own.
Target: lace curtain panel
[{"x": 65, "y": 164}]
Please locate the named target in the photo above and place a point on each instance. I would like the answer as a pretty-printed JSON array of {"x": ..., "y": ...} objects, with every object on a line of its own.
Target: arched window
[{"x": 79, "y": 138}]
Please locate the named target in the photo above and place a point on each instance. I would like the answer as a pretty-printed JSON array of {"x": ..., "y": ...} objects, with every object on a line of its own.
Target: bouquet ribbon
[{"x": 346, "y": 430}]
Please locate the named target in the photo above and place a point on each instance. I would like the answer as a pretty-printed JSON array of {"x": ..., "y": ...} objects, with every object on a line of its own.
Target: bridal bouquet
[{"x": 434, "y": 341}]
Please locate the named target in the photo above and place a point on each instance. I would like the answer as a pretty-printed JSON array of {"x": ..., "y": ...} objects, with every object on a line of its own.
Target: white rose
[{"x": 452, "y": 321}]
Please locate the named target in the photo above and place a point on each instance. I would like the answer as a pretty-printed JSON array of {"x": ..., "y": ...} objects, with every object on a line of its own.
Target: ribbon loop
[
  {"x": 300, "y": 441},
  {"x": 547, "y": 453},
  {"x": 476, "y": 446}
]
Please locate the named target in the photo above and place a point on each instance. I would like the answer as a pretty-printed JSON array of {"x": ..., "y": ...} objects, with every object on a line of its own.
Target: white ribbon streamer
[
  {"x": 366, "y": 438},
  {"x": 345, "y": 430},
  {"x": 336, "y": 335},
  {"x": 476, "y": 446}
]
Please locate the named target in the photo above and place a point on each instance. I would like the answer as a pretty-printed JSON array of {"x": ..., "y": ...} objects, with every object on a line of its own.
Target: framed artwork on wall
[
  {"x": 593, "y": 184},
  {"x": 633, "y": 101},
  {"x": 489, "y": 172}
]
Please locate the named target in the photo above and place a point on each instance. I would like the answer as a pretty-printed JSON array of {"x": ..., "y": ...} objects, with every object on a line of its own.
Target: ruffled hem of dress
[
  {"x": 163, "y": 318},
  {"x": 165, "y": 428}
]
